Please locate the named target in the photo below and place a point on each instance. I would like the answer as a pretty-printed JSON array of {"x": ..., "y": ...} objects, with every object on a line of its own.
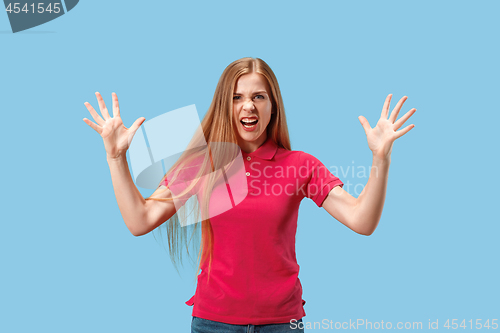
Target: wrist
[
  {"x": 116, "y": 158},
  {"x": 381, "y": 159}
]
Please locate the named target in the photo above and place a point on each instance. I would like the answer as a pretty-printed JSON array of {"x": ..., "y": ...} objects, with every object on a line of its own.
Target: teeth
[{"x": 248, "y": 121}]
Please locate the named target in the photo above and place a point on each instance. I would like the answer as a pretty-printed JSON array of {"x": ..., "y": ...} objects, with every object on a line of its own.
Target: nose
[{"x": 248, "y": 106}]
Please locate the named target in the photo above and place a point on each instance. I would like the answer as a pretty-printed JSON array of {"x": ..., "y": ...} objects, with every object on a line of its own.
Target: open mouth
[{"x": 249, "y": 123}]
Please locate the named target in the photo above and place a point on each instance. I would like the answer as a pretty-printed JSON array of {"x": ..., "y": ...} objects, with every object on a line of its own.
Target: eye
[
  {"x": 236, "y": 97},
  {"x": 260, "y": 96}
]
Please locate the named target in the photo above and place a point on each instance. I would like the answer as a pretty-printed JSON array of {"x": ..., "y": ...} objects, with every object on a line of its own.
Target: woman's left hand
[{"x": 382, "y": 136}]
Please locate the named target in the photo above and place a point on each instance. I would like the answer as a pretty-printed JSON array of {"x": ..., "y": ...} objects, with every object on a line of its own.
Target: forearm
[
  {"x": 130, "y": 201},
  {"x": 370, "y": 202}
]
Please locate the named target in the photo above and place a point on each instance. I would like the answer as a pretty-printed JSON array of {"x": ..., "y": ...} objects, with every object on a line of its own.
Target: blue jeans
[{"x": 200, "y": 325}]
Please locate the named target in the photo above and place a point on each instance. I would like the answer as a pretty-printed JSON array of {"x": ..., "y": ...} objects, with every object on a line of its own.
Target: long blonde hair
[{"x": 218, "y": 126}]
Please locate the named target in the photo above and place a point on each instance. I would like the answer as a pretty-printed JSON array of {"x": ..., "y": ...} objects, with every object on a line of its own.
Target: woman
[{"x": 249, "y": 270}]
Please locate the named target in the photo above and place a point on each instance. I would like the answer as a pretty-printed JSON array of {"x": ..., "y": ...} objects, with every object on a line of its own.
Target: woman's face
[{"x": 251, "y": 110}]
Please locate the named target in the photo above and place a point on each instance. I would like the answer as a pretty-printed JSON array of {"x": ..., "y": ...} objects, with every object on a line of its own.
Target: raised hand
[
  {"x": 116, "y": 136},
  {"x": 382, "y": 136}
]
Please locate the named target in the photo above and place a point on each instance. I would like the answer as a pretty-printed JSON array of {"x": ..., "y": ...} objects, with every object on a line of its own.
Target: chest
[{"x": 261, "y": 195}]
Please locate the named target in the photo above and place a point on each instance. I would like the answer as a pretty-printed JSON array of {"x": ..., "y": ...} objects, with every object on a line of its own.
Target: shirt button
[
  {"x": 249, "y": 158},
  {"x": 248, "y": 173}
]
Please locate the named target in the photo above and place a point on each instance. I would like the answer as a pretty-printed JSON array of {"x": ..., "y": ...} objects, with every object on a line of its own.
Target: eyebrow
[{"x": 257, "y": 92}]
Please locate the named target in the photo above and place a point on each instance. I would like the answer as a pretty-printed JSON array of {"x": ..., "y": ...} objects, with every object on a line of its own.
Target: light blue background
[{"x": 68, "y": 262}]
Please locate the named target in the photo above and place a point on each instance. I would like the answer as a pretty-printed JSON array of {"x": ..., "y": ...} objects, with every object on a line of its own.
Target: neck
[{"x": 251, "y": 146}]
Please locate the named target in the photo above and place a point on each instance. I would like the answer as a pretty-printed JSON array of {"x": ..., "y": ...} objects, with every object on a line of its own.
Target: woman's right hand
[{"x": 116, "y": 136}]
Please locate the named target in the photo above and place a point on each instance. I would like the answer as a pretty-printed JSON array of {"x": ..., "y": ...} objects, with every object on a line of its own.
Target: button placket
[{"x": 248, "y": 159}]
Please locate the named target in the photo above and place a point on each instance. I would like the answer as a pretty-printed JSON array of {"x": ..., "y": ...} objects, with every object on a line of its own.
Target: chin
[{"x": 250, "y": 137}]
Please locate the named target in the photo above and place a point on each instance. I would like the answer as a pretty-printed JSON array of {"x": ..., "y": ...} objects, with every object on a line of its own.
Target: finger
[
  {"x": 365, "y": 124},
  {"x": 385, "y": 109},
  {"x": 116, "y": 106},
  {"x": 395, "y": 112},
  {"x": 404, "y": 118},
  {"x": 405, "y": 130},
  {"x": 94, "y": 114},
  {"x": 102, "y": 106},
  {"x": 97, "y": 128},
  {"x": 135, "y": 126}
]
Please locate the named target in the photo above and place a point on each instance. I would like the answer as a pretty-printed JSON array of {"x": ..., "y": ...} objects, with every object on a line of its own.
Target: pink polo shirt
[{"x": 254, "y": 277}]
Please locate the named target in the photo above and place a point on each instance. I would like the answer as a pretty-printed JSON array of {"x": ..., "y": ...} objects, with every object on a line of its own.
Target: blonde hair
[{"x": 219, "y": 127}]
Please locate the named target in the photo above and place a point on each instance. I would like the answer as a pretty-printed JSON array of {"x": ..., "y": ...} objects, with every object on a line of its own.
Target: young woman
[{"x": 249, "y": 277}]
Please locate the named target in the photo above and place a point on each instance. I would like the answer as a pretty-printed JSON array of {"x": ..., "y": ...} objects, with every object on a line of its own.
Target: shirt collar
[{"x": 266, "y": 151}]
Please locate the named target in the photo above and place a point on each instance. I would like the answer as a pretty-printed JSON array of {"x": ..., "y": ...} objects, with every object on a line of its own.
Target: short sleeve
[
  {"x": 182, "y": 181},
  {"x": 319, "y": 180}
]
